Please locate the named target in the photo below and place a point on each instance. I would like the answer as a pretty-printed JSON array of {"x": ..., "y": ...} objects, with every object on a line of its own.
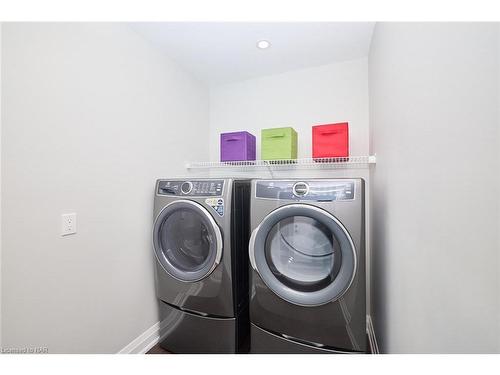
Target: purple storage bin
[{"x": 237, "y": 146}]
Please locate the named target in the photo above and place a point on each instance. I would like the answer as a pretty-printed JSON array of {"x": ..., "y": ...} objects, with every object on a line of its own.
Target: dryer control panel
[
  {"x": 313, "y": 190},
  {"x": 192, "y": 188}
]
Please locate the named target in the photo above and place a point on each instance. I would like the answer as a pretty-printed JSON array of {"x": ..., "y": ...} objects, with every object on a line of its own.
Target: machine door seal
[
  {"x": 303, "y": 254},
  {"x": 187, "y": 241}
]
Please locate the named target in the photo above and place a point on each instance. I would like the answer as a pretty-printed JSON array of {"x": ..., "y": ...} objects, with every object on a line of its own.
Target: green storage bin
[{"x": 278, "y": 143}]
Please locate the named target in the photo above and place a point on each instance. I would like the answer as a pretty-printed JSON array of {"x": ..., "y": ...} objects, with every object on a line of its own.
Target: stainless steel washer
[
  {"x": 200, "y": 234},
  {"x": 307, "y": 255}
]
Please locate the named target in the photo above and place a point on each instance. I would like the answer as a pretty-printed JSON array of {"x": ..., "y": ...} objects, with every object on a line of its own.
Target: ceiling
[{"x": 223, "y": 52}]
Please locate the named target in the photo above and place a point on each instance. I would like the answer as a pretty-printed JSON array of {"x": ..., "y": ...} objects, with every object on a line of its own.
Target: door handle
[{"x": 251, "y": 248}]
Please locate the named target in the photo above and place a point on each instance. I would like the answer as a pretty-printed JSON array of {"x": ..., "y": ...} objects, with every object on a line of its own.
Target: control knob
[
  {"x": 186, "y": 187},
  {"x": 300, "y": 189}
]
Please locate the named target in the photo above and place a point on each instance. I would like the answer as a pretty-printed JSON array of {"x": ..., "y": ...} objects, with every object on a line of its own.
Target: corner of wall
[
  {"x": 0, "y": 184},
  {"x": 372, "y": 318}
]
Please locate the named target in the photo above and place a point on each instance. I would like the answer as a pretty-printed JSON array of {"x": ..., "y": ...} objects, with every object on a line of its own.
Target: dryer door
[
  {"x": 187, "y": 241},
  {"x": 303, "y": 254}
]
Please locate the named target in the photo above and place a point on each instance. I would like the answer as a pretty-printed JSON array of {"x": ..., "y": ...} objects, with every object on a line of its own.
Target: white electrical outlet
[{"x": 68, "y": 224}]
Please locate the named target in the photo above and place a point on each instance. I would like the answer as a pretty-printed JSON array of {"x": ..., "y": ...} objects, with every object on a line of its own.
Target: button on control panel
[
  {"x": 186, "y": 187},
  {"x": 197, "y": 188},
  {"x": 300, "y": 189}
]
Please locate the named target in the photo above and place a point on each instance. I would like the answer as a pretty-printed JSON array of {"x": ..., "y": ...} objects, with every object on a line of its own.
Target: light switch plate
[{"x": 68, "y": 224}]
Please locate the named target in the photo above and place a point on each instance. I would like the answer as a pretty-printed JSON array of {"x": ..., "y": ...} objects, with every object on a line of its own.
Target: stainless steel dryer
[
  {"x": 307, "y": 252},
  {"x": 200, "y": 236}
]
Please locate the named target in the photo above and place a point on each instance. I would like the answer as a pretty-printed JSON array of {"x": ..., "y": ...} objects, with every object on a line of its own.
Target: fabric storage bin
[
  {"x": 237, "y": 146},
  {"x": 331, "y": 140},
  {"x": 278, "y": 143}
]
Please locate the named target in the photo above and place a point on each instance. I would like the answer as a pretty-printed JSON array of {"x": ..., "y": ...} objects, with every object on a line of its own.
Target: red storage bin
[{"x": 331, "y": 140}]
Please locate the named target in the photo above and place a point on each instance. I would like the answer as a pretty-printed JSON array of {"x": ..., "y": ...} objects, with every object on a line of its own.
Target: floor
[{"x": 157, "y": 349}]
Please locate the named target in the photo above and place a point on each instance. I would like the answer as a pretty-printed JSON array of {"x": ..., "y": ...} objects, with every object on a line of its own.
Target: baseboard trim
[
  {"x": 372, "y": 338},
  {"x": 144, "y": 342}
]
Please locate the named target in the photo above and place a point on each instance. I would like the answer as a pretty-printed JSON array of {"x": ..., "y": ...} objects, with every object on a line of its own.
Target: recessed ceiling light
[{"x": 263, "y": 44}]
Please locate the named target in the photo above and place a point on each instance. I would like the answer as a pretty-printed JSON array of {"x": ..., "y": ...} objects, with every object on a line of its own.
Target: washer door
[
  {"x": 303, "y": 254},
  {"x": 187, "y": 241}
]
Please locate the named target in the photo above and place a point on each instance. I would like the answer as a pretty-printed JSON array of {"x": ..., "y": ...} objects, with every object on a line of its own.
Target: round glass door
[
  {"x": 187, "y": 241},
  {"x": 303, "y": 254}
]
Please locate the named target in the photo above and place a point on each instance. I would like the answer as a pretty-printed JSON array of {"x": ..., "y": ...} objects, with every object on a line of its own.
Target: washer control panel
[
  {"x": 312, "y": 190},
  {"x": 192, "y": 188}
]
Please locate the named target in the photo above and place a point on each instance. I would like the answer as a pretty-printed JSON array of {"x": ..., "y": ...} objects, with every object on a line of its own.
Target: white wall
[
  {"x": 434, "y": 121},
  {"x": 92, "y": 115},
  {"x": 0, "y": 186},
  {"x": 301, "y": 98}
]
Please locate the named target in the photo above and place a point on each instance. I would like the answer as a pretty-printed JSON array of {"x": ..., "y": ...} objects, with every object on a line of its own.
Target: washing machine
[
  {"x": 307, "y": 255},
  {"x": 200, "y": 237}
]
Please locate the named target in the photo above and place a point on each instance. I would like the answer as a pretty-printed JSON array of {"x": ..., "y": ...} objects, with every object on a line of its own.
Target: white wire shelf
[{"x": 306, "y": 163}]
